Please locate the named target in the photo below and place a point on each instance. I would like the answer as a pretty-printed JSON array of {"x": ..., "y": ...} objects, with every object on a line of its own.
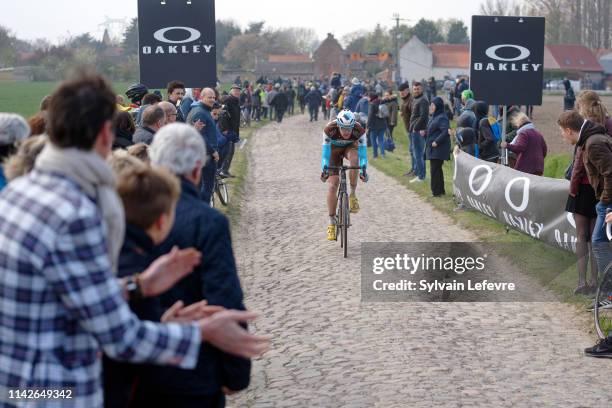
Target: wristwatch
[{"x": 133, "y": 288}]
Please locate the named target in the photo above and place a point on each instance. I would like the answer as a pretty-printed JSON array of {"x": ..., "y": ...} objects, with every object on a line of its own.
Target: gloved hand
[
  {"x": 364, "y": 176},
  {"x": 324, "y": 176}
]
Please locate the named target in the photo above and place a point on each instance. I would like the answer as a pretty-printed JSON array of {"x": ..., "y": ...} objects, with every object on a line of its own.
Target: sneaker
[
  {"x": 354, "y": 204},
  {"x": 603, "y": 349},
  {"x": 604, "y": 304},
  {"x": 331, "y": 232},
  {"x": 416, "y": 180}
]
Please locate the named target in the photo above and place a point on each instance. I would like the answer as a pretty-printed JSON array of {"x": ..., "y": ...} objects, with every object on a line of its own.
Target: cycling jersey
[{"x": 335, "y": 146}]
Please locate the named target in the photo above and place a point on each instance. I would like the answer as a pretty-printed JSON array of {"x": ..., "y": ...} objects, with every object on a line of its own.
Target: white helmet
[{"x": 346, "y": 119}]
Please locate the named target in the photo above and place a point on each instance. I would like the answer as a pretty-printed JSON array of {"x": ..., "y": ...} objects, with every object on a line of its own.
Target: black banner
[
  {"x": 177, "y": 42},
  {"x": 507, "y": 59}
]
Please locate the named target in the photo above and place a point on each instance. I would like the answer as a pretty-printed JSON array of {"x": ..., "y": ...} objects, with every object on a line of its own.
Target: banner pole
[{"x": 503, "y": 135}]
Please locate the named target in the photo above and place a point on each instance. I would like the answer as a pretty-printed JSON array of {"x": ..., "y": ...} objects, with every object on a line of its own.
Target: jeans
[
  {"x": 602, "y": 248},
  {"x": 411, "y": 150},
  {"x": 314, "y": 112},
  {"x": 418, "y": 147},
  {"x": 378, "y": 141},
  {"x": 279, "y": 115},
  {"x": 208, "y": 179}
]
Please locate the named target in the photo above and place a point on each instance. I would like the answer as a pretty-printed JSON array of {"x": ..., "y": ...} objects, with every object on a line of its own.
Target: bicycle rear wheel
[
  {"x": 222, "y": 192},
  {"x": 345, "y": 222},
  {"x": 602, "y": 309}
]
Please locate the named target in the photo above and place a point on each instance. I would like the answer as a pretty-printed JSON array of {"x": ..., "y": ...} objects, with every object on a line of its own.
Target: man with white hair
[
  {"x": 180, "y": 149},
  {"x": 13, "y": 129}
]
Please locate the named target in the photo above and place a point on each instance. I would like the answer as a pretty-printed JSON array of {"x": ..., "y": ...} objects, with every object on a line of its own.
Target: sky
[{"x": 56, "y": 20}]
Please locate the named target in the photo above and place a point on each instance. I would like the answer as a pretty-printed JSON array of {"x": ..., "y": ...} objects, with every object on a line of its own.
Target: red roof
[
  {"x": 574, "y": 58},
  {"x": 602, "y": 52},
  {"x": 450, "y": 55},
  {"x": 289, "y": 58}
]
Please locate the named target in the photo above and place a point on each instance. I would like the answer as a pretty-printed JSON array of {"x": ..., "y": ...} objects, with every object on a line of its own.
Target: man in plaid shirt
[{"x": 60, "y": 304}]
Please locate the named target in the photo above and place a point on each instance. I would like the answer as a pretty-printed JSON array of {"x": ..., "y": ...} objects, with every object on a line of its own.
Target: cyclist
[{"x": 343, "y": 138}]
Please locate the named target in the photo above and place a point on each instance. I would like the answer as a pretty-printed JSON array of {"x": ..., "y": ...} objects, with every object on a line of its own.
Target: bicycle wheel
[
  {"x": 222, "y": 192},
  {"x": 602, "y": 309},
  {"x": 345, "y": 221},
  {"x": 339, "y": 219}
]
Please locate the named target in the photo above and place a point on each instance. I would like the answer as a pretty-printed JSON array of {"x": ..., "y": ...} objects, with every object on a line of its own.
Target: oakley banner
[
  {"x": 531, "y": 204},
  {"x": 507, "y": 59},
  {"x": 177, "y": 42}
]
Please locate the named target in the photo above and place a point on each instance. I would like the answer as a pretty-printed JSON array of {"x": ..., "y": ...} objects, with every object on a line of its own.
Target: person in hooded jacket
[
  {"x": 437, "y": 145},
  {"x": 569, "y": 99},
  {"x": 529, "y": 146},
  {"x": 313, "y": 99},
  {"x": 279, "y": 102},
  {"x": 465, "y": 133},
  {"x": 487, "y": 145}
]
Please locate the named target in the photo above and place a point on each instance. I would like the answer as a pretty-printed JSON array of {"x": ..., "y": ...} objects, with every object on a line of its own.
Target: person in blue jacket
[
  {"x": 437, "y": 145},
  {"x": 200, "y": 117}
]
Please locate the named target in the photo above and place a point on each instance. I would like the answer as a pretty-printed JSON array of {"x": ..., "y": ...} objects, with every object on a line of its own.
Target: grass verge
[{"x": 547, "y": 264}]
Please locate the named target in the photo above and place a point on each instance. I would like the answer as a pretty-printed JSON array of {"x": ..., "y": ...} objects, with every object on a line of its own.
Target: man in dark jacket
[
  {"x": 201, "y": 118},
  {"x": 214, "y": 280},
  {"x": 232, "y": 103},
  {"x": 377, "y": 126},
  {"x": 596, "y": 145},
  {"x": 437, "y": 145},
  {"x": 569, "y": 99},
  {"x": 176, "y": 93},
  {"x": 313, "y": 99},
  {"x": 291, "y": 98},
  {"x": 153, "y": 118},
  {"x": 418, "y": 124},
  {"x": 280, "y": 103},
  {"x": 487, "y": 144}
]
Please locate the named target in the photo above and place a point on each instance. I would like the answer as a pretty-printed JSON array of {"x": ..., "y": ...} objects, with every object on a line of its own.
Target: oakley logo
[
  {"x": 160, "y": 35},
  {"x": 492, "y": 52}
]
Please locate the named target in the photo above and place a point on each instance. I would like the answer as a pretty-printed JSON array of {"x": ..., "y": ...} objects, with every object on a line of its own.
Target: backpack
[
  {"x": 383, "y": 111},
  {"x": 495, "y": 128},
  {"x": 389, "y": 143}
]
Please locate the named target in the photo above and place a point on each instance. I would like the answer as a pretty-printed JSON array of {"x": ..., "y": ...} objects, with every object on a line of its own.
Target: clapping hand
[
  {"x": 167, "y": 270},
  {"x": 178, "y": 313}
]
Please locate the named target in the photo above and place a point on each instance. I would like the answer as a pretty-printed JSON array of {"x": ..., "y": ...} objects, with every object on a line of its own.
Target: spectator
[
  {"x": 377, "y": 126},
  {"x": 437, "y": 145},
  {"x": 170, "y": 111},
  {"x": 149, "y": 99},
  {"x": 279, "y": 102},
  {"x": 458, "y": 91},
  {"x": 22, "y": 162},
  {"x": 592, "y": 108},
  {"x": 180, "y": 150},
  {"x": 38, "y": 123},
  {"x": 406, "y": 113},
  {"x": 391, "y": 101},
  {"x": 13, "y": 129},
  {"x": 176, "y": 94},
  {"x": 200, "y": 115},
  {"x": 301, "y": 96},
  {"x": 465, "y": 132},
  {"x": 431, "y": 88},
  {"x": 313, "y": 99},
  {"x": 232, "y": 103},
  {"x": 140, "y": 151},
  {"x": 487, "y": 144},
  {"x": 273, "y": 91},
  {"x": 596, "y": 147},
  {"x": 529, "y": 145},
  {"x": 191, "y": 95},
  {"x": 246, "y": 100},
  {"x": 124, "y": 130},
  {"x": 221, "y": 127},
  {"x": 291, "y": 97},
  {"x": 419, "y": 118},
  {"x": 66, "y": 254},
  {"x": 153, "y": 118},
  {"x": 570, "y": 97},
  {"x": 257, "y": 98}
]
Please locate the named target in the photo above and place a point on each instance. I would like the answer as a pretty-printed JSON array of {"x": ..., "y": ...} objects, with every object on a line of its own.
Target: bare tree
[{"x": 500, "y": 8}]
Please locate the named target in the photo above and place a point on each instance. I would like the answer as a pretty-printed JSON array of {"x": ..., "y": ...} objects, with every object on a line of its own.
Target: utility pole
[{"x": 396, "y": 40}]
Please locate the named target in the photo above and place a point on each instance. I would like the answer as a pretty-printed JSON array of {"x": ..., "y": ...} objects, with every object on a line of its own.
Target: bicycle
[
  {"x": 245, "y": 118},
  {"x": 602, "y": 306},
  {"x": 221, "y": 190},
  {"x": 343, "y": 212}
]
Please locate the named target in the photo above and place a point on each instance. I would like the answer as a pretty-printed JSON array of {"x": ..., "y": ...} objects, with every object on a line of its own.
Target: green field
[{"x": 24, "y": 97}]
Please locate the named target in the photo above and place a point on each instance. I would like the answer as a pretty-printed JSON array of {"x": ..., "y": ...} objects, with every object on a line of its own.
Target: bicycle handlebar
[{"x": 344, "y": 168}]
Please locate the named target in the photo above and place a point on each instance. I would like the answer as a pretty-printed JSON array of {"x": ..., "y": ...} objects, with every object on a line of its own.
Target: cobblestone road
[{"x": 331, "y": 350}]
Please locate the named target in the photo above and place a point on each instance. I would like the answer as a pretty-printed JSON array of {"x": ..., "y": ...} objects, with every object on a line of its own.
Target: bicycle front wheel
[
  {"x": 345, "y": 223},
  {"x": 223, "y": 193},
  {"x": 602, "y": 309}
]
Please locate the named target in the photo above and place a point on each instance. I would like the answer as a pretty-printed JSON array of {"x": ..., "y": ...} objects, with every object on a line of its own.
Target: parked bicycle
[
  {"x": 343, "y": 213},
  {"x": 220, "y": 190},
  {"x": 602, "y": 306}
]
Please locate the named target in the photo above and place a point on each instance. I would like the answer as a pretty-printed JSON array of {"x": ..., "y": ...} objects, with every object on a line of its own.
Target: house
[
  {"x": 420, "y": 61},
  {"x": 286, "y": 65},
  {"x": 604, "y": 57},
  {"x": 576, "y": 62},
  {"x": 329, "y": 58}
]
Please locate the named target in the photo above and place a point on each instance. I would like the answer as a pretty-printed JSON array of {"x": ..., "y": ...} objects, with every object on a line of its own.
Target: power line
[{"x": 397, "y": 19}]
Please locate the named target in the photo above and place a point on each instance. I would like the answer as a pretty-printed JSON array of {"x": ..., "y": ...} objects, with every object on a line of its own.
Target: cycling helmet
[
  {"x": 136, "y": 92},
  {"x": 467, "y": 94},
  {"x": 346, "y": 119}
]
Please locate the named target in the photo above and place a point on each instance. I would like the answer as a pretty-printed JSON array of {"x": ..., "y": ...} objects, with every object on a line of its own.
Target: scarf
[{"x": 97, "y": 180}]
